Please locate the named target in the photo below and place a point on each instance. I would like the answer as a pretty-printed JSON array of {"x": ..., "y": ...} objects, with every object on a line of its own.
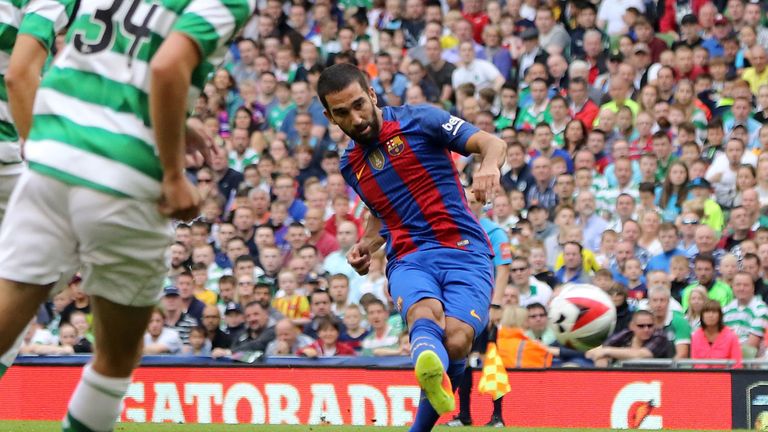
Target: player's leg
[
  {"x": 7, "y": 182},
  {"x": 18, "y": 304},
  {"x": 36, "y": 243},
  {"x": 95, "y": 404},
  {"x": 122, "y": 247}
]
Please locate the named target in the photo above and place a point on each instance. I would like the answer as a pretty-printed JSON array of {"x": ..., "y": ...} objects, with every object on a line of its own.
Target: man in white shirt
[{"x": 482, "y": 73}]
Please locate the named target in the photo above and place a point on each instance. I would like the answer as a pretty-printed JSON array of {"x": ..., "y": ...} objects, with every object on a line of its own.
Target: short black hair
[
  {"x": 705, "y": 257},
  {"x": 338, "y": 77}
]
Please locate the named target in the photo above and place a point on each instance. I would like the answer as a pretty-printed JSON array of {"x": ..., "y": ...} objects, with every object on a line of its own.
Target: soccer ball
[{"x": 582, "y": 316}]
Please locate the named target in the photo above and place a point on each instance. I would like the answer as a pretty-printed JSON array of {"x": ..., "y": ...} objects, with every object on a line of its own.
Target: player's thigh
[
  {"x": 467, "y": 280},
  {"x": 123, "y": 247},
  {"x": 38, "y": 243},
  {"x": 411, "y": 282}
]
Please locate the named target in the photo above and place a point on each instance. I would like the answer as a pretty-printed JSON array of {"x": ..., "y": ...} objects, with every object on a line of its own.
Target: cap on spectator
[
  {"x": 720, "y": 19},
  {"x": 616, "y": 57},
  {"x": 535, "y": 207},
  {"x": 170, "y": 291},
  {"x": 529, "y": 34},
  {"x": 232, "y": 307},
  {"x": 689, "y": 19},
  {"x": 699, "y": 182},
  {"x": 313, "y": 278},
  {"x": 642, "y": 47},
  {"x": 75, "y": 279}
]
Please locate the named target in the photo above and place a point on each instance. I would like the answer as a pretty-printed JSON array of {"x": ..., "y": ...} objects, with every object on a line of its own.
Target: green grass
[{"x": 45, "y": 426}]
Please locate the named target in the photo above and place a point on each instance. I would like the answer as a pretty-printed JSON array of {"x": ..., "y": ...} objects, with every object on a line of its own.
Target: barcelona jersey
[{"x": 408, "y": 181}]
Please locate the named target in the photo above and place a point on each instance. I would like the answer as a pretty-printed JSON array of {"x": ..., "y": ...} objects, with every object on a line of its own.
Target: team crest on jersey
[
  {"x": 376, "y": 159},
  {"x": 399, "y": 303},
  {"x": 395, "y": 146}
]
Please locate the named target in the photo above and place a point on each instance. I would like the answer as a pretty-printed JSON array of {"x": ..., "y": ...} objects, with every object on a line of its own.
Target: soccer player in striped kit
[
  {"x": 106, "y": 156},
  {"x": 28, "y": 30},
  {"x": 440, "y": 271}
]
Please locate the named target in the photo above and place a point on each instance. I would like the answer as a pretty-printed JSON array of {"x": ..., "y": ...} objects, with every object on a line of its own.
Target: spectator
[
  {"x": 529, "y": 289},
  {"x": 217, "y": 337},
  {"x": 288, "y": 340},
  {"x": 704, "y": 270},
  {"x": 175, "y": 316},
  {"x": 328, "y": 343},
  {"x": 382, "y": 335},
  {"x": 668, "y": 239},
  {"x": 159, "y": 338},
  {"x": 320, "y": 307},
  {"x": 234, "y": 321},
  {"x": 642, "y": 340},
  {"x": 713, "y": 340},
  {"x": 672, "y": 322},
  {"x": 354, "y": 332},
  {"x": 572, "y": 270},
  {"x": 336, "y": 262},
  {"x": 199, "y": 345},
  {"x": 746, "y": 315},
  {"x": 256, "y": 336}
]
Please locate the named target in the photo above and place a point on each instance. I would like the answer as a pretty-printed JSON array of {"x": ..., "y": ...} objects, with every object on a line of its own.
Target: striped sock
[{"x": 95, "y": 404}]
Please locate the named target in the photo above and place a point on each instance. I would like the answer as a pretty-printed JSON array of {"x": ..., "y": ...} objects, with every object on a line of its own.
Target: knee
[
  {"x": 428, "y": 309},
  {"x": 458, "y": 344}
]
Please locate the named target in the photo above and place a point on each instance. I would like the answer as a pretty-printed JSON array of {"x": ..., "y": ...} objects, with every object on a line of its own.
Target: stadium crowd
[{"x": 637, "y": 160}]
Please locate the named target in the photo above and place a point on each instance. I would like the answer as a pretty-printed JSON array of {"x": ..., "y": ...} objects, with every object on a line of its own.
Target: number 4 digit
[{"x": 104, "y": 17}]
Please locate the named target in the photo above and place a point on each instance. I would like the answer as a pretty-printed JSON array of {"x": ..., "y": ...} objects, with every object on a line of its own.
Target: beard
[{"x": 367, "y": 133}]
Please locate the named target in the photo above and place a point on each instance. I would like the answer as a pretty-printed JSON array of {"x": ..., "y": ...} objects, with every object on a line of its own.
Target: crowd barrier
[{"x": 313, "y": 394}]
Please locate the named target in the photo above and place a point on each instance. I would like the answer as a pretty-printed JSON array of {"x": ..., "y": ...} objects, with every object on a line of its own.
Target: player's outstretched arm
[
  {"x": 485, "y": 181},
  {"x": 23, "y": 79},
  {"x": 171, "y": 70}
]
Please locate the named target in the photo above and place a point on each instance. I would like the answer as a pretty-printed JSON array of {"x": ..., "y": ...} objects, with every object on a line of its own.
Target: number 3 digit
[{"x": 104, "y": 17}]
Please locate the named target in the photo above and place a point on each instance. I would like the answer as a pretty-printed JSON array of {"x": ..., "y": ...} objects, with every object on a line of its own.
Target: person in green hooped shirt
[
  {"x": 746, "y": 314},
  {"x": 538, "y": 111},
  {"x": 283, "y": 103},
  {"x": 673, "y": 322},
  {"x": 704, "y": 270}
]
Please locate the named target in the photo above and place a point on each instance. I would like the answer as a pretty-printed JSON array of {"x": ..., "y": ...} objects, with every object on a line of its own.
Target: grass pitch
[{"x": 45, "y": 426}]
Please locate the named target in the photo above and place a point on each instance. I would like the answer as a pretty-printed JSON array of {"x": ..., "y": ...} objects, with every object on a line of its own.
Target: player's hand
[
  {"x": 485, "y": 181},
  {"x": 359, "y": 257},
  {"x": 180, "y": 199},
  {"x": 199, "y": 145}
]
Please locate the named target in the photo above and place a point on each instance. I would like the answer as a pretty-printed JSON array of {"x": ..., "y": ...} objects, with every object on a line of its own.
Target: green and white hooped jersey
[
  {"x": 92, "y": 123},
  {"x": 41, "y": 19}
]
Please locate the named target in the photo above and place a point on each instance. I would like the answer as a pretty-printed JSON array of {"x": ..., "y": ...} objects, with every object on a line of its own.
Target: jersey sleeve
[
  {"x": 213, "y": 23},
  {"x": 43, "y": 19},
  {"x": 448, "y": 131},
  {"x": 502, "y": 254}
]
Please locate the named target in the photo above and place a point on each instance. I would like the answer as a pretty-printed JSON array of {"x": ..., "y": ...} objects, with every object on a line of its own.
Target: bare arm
[
  {"x": 682, "y": 351},
  {"x": 23, "y": 79},
  {"x": 627, "y": 353},
  {"x": 171, "y": 70},
  {"x": 486, "y": 179}
]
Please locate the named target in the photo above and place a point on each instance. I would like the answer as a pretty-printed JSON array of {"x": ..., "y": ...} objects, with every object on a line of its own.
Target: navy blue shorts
[{"x": 461, "y": 280}]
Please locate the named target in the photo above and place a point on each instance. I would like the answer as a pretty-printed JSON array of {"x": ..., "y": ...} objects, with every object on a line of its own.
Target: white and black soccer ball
[{"x": 582, "y": 316}]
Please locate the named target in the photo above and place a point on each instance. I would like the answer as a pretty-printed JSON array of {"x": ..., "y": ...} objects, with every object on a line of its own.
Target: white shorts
[
  {"x": 8, "y": 179},
  {"x": 52, "y": 228}
]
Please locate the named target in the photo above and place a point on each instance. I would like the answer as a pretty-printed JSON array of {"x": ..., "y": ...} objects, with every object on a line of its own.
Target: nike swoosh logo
[
  {"x": 474, "y": 314},
  {"x": 360, "y": 173}
]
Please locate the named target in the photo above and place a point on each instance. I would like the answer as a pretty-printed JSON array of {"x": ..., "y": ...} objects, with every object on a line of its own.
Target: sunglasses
[
  {"x": 644, "y": 326},
  {"x": 518, "y": 269},
  {"x": 690, "y": 221},
  {"x": 204, "y": 180}
]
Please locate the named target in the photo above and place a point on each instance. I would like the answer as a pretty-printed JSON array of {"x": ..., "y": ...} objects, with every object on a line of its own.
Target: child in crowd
[
  {"x": 680, "y": 270},
  {"x": 608, "y": 241},
  {"x": 291, "y": 305},
  {"x": 636, "y": 289},
  {"x": 199, "y": 345}
]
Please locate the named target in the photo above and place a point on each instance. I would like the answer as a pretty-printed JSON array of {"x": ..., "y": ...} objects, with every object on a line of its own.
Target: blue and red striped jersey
[{"x": 408, "y": 180}]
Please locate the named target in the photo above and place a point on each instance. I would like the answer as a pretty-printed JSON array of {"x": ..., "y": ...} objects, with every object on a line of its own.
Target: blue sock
[
  {"x": 426, "y": 335},
  {"x": 426, "y": 416},
  {"x": 456, "y": 372}
]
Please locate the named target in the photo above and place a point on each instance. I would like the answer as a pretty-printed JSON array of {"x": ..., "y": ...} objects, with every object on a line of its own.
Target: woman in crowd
[{"x": 713, "y": 340}]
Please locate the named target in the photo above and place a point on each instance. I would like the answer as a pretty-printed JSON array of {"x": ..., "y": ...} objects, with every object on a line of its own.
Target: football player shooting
[{"x": 440, "y": 270}]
